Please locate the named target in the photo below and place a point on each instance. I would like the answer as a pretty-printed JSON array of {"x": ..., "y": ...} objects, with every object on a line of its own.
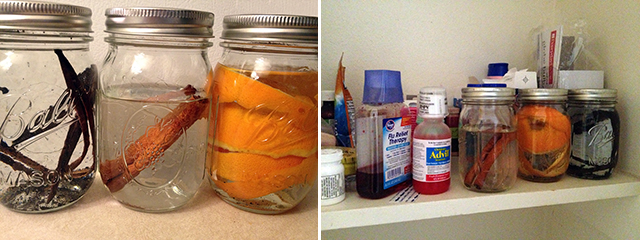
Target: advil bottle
[
  {"x": 383, "y": 136},
  {"x": 432, "y": 144}
]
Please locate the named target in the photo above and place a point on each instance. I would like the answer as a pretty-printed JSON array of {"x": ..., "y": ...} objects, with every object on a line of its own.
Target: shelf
[
  {"x": 99, "y": 216},
  {"x": 355, "y": 211}
]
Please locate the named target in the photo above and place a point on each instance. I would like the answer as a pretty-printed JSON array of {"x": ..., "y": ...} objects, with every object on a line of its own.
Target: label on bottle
[
  {"x": 431, "y": 160},
  {"x": 396, "y": 145},
  {"x": 332, "y": 186}
]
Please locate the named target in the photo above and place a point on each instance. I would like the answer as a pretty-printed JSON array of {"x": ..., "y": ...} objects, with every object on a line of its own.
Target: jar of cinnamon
[
  {"x": 153, "y": 106},
  {"x": 544, "y": 134},
  {"x": 263, "y": 139},
  {"x": 488, "y": 158}
]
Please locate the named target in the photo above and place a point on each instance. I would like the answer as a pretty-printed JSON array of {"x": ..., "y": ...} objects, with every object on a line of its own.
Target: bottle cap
[
  {"x": 382, "y": 86},
  {"x": 18, "y": 16},
  {"x": 498, "y": 69},
  {"x": 542, "y": 94},
  {"x": 330, "y": 155},
  {"x": 494, "y": 85},
  {"x": 593, "y": 94},
  {"x": 432, "y": 102},
  {"x": 328, "y": 95},
  {"x": 167, "y": 22}
]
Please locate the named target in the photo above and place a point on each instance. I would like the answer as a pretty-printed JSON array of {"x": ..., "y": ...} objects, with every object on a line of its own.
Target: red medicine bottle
[{"x": 432, "y": 144}]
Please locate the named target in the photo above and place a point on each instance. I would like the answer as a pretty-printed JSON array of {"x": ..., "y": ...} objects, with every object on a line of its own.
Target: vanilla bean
[{"x": 15, "y": 155}]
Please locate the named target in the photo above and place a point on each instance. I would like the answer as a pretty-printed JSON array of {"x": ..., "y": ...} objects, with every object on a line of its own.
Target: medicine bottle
[
  {"x": 595, "y": 135},
  {"x": 332, "y": 182},
  {"x": 153, "y": 106},
  {"x": 47, "y": 89},
  {"x": 488, "y": 159},
  {"x": 544, "y": 134},
  {"x": 432, "y": 144},
  {"x": 383, "y": 134},
  {"x": 264, "y": 131}
]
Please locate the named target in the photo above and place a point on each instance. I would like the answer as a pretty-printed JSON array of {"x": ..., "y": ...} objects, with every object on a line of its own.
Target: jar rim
[
  {"x": 19, "y": 16},
  {"x": 147, "y": 21},
  {"x": 270, "y": 28}
]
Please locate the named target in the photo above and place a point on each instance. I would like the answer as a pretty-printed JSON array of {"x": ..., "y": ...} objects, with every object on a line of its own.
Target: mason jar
[
  {"x": 488, "y": 158},
  {"x": 46, "y": 105},
  {"x": 153, "y": 106},
  {"x": 544, "y": 134},
  {"x": 263, "y": 140},
  {"x": 595, "y": 135}
]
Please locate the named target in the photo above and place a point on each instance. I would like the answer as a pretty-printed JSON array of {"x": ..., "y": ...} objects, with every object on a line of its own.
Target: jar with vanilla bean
[
  {"x": 153, "y": 106},
  {"x": 488, "y": 158},
  {"x": 47, "y": 88},
  {"x": 544, "y": 134}
]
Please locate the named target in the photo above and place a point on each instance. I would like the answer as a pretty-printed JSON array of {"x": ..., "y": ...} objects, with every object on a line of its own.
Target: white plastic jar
[{"x": 332, "y": 177}]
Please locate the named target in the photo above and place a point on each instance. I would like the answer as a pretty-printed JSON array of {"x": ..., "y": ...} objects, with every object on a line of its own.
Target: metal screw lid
[
  {"x": 159, "y": 22},
  {"x": 552, "y": 94},
  {"x": 43, "y": 16},
  {"x": 270, "y": 28},
  {"x": 488, "y": 93},
  {"x": 593, "y": 94}
]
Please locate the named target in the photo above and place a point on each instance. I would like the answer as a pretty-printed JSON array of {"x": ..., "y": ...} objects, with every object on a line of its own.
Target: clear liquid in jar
[
  {"x": 476, "y": 147},
  {"x": 169, "y": 176}
]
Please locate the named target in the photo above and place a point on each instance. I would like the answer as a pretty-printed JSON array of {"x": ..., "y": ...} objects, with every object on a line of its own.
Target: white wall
[
  {"x": 220, "y": 8},
  {"x": 433, "y": 43}
]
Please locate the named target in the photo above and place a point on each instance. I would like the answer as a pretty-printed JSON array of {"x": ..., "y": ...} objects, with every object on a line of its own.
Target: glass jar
[
  {"x": 153, "y": 106},
  {"x": 595, "y": 135},
  {"x": 46, "y": 105},
  {"x": 263, "y": 140},
  {"x": 544, "y": 134},
  {"x": 488, "y": 158}
]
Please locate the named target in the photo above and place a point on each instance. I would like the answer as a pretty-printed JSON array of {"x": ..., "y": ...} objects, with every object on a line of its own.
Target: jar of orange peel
[
  {"x": 263, "y": 137},
  {"x": 544, "y": 134}
]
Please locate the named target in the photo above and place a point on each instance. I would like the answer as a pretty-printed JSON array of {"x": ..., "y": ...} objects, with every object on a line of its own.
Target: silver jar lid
[
  {"x": 593, "y": 94},
  {"x": 542, "y": 94},
  {"x": 270, "y": 28},
  {"x": 159, "y": 22},
  {"x": 488, "y": 93},
  {"x": 43, "y": 16}
]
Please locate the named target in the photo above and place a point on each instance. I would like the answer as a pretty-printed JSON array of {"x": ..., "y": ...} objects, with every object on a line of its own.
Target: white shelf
[{"x": 355, "y": 211}]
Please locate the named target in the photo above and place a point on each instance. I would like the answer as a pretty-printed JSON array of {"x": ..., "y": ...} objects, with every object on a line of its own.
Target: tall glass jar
[
  {"x": 47, "y": 91},
  {"x": 263, "y": 140},
  {"x": 488, "y": 158},
  {"x": 153, "y": 106},
  {"x": 544, "y": 134},
  {"x": 595, "y": 135}
]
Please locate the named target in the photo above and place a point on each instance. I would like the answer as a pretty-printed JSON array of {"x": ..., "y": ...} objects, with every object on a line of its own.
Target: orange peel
[
  {"x": 232, "y": 86},
  {"x": 542, "y": 129},
  {"x": 263, "y": 131},
  {"x": 236, "y": 166},
  {"x": 303, "y": 173}
]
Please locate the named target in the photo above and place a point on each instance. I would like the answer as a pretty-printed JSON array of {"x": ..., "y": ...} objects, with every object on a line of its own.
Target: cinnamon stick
[
  {"x": 148, "y": 148},
  {"x": 490, "y": 153}
]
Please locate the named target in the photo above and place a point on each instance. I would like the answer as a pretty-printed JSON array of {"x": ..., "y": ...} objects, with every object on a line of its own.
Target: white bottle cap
[
  {"x": 330, "y": 155},
  {"x": 432, "y": 102}
]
